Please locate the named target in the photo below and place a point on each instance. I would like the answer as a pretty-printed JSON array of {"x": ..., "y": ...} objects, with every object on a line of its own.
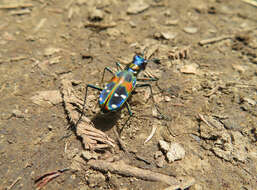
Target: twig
[
  {"x": 214, "y": 40},
  {"x": 126, "y": 170},
  {"x": 18, "y": 58},
  {"x": 44, "y": 179},
  {"x": 11, "y": 186},
  {"x": 40, "y": 24},
  {"x": 16, "y": 6},
  {"x": 101, "y": 26},
  {"x": 140, "y": 158},
  {"x": 204, "y": 120},
  {"x": 121, "y": 143},
  {"x": 183, "y": 185},
  {"x": 151, "y": 134},
  {"x": 213, "y": 91},
  {"x": 251, "y": 2},
  {"x": 20, "y": 12},
  {"x": 180, "y": 105}
]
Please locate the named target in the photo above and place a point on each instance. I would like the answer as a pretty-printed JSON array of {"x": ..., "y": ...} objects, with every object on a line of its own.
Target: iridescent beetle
[{"x": 116, "y": 93}]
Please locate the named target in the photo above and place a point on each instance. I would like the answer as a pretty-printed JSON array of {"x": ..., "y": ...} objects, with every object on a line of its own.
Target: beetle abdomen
[{"x": 116, "y": 93}]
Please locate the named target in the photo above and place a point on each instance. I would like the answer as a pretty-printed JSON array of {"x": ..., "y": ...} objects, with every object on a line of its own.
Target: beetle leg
[
  {"x": 107, "y": 69},
  {"x": 85, "y": 99},
  {"x": 129, "y": 109},
  {"x": 130, "y": 115},
  {"x": 151, "y": 94},
  {"x": 90, "y": 86},
  {"x": 150, "y": 87},
  {"x": 119, "y": 67},
  {"x": 147, "y": 79},
  {"x": 155, "y": 60}
]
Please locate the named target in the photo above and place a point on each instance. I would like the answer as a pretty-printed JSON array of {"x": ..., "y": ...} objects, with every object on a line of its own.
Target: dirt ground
[{"x": 207, "y": 91}]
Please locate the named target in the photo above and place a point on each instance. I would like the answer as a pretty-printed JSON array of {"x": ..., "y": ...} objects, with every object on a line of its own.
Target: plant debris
[
  {"x": 214, "y": 40},
  {"x": 92, "y": 138},
  {"x": 123, "y": 169},
  {"x": 100, "y": 25},
  {"x": 46, "y": 178},
  {"x": 179, "y": 53}
]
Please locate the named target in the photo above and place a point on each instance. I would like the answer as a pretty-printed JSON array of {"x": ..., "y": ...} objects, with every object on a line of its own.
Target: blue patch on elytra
[
  {"x": 120, "y": 74},
  {"x": 118, "y": 97},
  {"x": 134, "y": 82},
  {"x": 105, "y": 92},
  {"x": 128, "y": 77}
]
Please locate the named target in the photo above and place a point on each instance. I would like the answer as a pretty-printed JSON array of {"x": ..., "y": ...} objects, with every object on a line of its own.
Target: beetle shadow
[{"x": 105, "y": 121}]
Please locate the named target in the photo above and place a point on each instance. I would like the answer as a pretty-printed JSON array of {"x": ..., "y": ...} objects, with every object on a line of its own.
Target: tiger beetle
[{"x": 116, "y": 93}]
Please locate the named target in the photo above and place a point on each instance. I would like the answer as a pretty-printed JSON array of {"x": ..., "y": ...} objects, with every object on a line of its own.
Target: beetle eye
[{"x": 143, "y": 65}]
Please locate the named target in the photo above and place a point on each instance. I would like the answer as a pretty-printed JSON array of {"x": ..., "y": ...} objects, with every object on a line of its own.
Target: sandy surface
[{"x": 207, "y": 90}]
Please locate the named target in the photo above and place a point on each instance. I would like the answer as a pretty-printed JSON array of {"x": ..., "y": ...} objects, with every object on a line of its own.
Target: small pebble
[
  {"x": 201, "y": 8},
  {"x": 239, "y": 68},
  {"x": 254, "y": 60},
  {"x": 96, "y": 180},
  {"x": 50, "y": 127},
  {"x": 167, "y": 98},
  {"x": 18, "y": 114},
  {"x": 171, "y": 22},
  {"x": 189, "y": 69},
  {"x": 249, "y": 101},
  {"x": 137, "y": 7},
  {"x": 132, "y": 24},
  {"x": 158, "y": 154},
  {"x": 154, "y": 112},
  {"x": 174, "y": 151},
  {"x": 55, "y": 60},
  {"x": 96, "y": 15},
  {"x": 167, "y": 13},
  {"x": 168, "y": 35},
  {"x": 73, "y": 176},
  {"x": 113, "y": 32},
  {"x": 191, "y": 30},
  {"x": 160, "y": 162},
  {"x": 50, "y": 51},
  {"x": 164, "y": 145},
  {"x": 195, "y": 137},
  {"x": 87, "y": 155},
  {"x": 165, "y": 35}
]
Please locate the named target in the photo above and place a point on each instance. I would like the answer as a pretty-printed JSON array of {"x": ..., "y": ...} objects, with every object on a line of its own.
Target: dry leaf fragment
[
  {"x": 189, "y": 69},
  {"x": 92, "y": 138}
]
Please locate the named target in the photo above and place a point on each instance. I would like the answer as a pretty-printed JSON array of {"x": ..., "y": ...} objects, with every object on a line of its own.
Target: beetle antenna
[
  {"x": 143, "y": 54},
  {"x": 154, "y": 60}
]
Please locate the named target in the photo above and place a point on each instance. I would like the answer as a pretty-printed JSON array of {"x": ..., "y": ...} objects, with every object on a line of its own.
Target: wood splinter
[
  {"x": 214, "y": 40},
  {"x": 121, "y": 168}
]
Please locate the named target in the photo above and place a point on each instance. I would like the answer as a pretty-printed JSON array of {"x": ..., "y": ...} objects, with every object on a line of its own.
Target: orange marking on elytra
[{"x": 115, "y": 79}]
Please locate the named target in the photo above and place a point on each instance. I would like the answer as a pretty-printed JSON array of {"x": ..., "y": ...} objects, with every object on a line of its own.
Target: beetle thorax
[
  {"x": 137, "y": 65},
  {"x": 135, "y": 69}
]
